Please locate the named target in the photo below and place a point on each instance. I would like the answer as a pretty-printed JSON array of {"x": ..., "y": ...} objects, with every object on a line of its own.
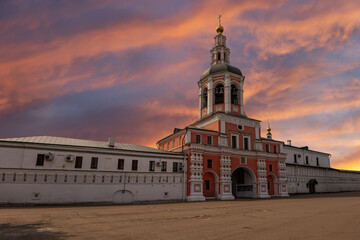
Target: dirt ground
[{"x": 318, "y": 216}]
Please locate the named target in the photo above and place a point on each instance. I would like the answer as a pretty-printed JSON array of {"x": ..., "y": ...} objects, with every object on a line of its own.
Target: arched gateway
[{"x": 243, "y": 183}]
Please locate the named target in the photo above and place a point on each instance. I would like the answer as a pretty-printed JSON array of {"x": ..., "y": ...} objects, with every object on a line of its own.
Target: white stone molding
[
  {"x": 196, "y": 178},
  {"x": 225, "y": 178},
  {"x": 210, "y": 95},
  {"x": 200, "y": 90},
  {"x": 261, "y": 179},
  {"x": 188, "y": 137},
  {"x": 242, "y": 95},
  {"x": 227, "y": 94},
  {"x": 283, "y": 192}
]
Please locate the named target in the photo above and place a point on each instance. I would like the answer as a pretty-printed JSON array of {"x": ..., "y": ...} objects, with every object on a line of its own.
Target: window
[
  {"x": 219, "y": 56},
  {"x": 275, "y": 149},
  {"x": 317, "y": 161},
  {"x": 152, "y": 166},
  {"x": 267, "y": 148},
  {"x": 134, "y": 165},
  {"x": 209, "y": 140},
  {"x": 173, "y": 143},
  {"x": 207, "y": 185},
  {"x": 307, "y": 160},
  {"x": 163, "y": 166},
  {"x": 246, "y": 143},
  {"x": 198, "y": 139},
  {"x": 175, "y": 166},
  {"x": 219, "y": 94},
  {"x": 234, "y": 95},
  {"x": 233, "y": 142},
  {"x": 270, "y": 168},
  {"x": 268, "y": 183},
  {"x": 78, "y": 162},
  {"x": 40, "y": 160},
  {"x": 209, "y": 163},
  {"x": 94, "y": 163},
  {"x": 204, "y": 98},
  {"x": 120, "y": 164},
  {"x": 295, "y": 159}
]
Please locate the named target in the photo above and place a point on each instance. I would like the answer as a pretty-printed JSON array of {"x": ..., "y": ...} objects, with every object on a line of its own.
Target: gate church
[
  {"x": 220, "y": 156},
  {"x": 227, "y": 157}
]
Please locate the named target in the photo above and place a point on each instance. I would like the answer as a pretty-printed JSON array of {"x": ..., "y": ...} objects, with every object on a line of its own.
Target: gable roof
[{"x": 62, "y": 141}]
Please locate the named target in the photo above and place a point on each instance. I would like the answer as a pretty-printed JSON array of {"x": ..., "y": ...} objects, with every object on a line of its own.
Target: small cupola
[{"x": 269, "y": 135}]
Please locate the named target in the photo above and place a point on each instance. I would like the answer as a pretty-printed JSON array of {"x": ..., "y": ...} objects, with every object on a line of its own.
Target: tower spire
[
  {"x": 220, "y": 28},
  {"x": 220, "y": 53}
]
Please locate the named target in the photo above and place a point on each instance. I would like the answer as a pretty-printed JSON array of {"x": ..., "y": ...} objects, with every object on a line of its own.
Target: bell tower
[{"x": 221, "y": 85}]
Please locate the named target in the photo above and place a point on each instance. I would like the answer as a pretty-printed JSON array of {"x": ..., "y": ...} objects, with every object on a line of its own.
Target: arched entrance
[
  {"x": 243, "y": 183},
  {"x": 123, "y": 196},
  {"x": 271, "y": 185},
  {"x": 209, "y": 185},
  {"x": 311, "y": 185}
]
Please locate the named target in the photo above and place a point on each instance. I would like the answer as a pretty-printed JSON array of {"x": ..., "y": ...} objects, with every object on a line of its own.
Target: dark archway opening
[
  {"x": 219, "y": 94},
  {"x": 242, "y": 183}
]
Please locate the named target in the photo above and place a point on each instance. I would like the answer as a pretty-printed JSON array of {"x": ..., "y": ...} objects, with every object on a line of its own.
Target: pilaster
[
  {"x": 199, "y": 102},
  {"x": 282, "y": 179},
  {"x": 196, "y": 178},
  {"x": 242, "y": 95},
  {"x": 210, "y": 96},
  {"x": 227, "y": 95},
  {"x": 261, "y": 179},
  {"x": 225, "y": 179}
]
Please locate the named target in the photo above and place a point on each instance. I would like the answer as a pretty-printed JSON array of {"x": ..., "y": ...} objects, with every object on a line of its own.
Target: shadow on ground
[{"x": 29, "y": 232}]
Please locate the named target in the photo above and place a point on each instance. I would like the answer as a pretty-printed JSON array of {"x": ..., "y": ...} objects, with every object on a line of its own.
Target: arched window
[
  {"x": 219, "y": 94},
  {"x": 204, "y": 97},
  {"x": 219, "y": 56},
  {"x": 234, "y": 95}
]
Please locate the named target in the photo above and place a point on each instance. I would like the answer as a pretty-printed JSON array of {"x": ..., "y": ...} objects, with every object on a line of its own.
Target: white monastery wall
[
  {"x": 314, "y": 158},
  {"x": 58, "y": 181},
  {"x": 328, "y": 179}
]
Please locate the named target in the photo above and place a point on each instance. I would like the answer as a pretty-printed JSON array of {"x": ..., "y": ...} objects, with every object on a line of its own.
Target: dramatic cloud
[{"x": 129, "y": 69}]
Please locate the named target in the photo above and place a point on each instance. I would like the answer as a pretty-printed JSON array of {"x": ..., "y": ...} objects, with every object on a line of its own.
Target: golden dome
[
  {"x": 219, "y": 29},
  {"x": 268, "y": 128}
]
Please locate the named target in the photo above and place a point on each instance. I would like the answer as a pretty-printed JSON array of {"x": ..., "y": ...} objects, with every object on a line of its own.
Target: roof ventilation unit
[{"x": 111, "y": 142}]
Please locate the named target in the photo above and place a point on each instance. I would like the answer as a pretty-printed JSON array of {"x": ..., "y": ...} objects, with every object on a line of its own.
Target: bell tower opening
[
  {"x": 219, "y": 94},
  {"x": 234, "y": 94},
  {"x": 204, "y": 98}
]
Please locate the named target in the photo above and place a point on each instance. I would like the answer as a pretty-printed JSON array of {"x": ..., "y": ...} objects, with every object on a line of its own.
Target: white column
[
  {"x": 241, "y": 96},
  {"x": 225, "y": 179},
  {"x": 210, "y": 96},
  {"x": 199, "y": 102},
  {"x": 227, "y": 93},
  {"x": 261, "y": 180},
  {"x": 282, "y": 181},
  {"x": 196, "y": 178}
]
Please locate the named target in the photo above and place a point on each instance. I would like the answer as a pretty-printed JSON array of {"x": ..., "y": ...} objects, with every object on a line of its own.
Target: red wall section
[
  {"x": 246, "y": 132},
  {"x": 204, "y": 136},
  {"x": 213, "y": 126}
]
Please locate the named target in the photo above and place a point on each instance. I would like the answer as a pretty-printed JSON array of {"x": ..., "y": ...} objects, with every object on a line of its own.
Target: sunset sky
[{"x": 129, "y": 69}]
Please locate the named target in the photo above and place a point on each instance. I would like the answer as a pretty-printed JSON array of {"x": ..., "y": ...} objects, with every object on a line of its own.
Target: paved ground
[{"x": 319, "y": 216}]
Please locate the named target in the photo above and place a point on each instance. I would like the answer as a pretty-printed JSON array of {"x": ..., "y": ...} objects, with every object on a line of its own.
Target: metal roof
[
  {"x": 83, "y": 143},
  {"x": 220, "y": 68}
]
